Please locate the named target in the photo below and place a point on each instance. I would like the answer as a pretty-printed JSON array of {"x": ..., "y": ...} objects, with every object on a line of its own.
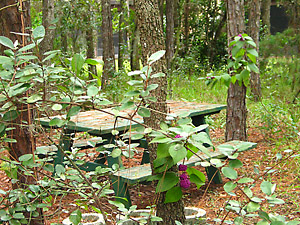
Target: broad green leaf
[
  {"x": 116, "y": 153},
  {"x": 196, "y": 176},
  {"x": 25, "y": 157},
  {"x": 235, "y": 163},
  {"x": 92, "y": 91},
  {"x": 126, "y": 105},
  {"x": 152, "y": 87},
  {"x": 57, "y": 107},
  {"x": 56, "y": 122},
  {"x": 156, "y": 56},
  {"x": 132, "y": 93},
  {"x": 168, "y": 181},
  {"x": 94, "y": 62},
  {"x": 75, "y": 217},
  {"x": 10, "y": 115},
  {"x": 77, "y": 63},
  {"x": 2, "y": 127},
  {"x": 267, "y": 187},
  {"x": 133, "y": 73},
  {"x": 263, "y": 215},
  {"x": 144, "y": 112},
  {"x": 135, "y": 82},
  {"x": 229, "y": 173},
  {"x": 273, "y": 200},
  {"x": 27, "y": 47},
  {"x": 6, "y": 42},
  {"x": 38, "y": 33},
  {"x": 34, "y": 98},
  {"x": 229, "y": 186},
  {"x": 156, "y": 75},
  {"x": 245, "y": 180},
  {"x": 177, "y": 152},
  {"x": 161, "y": 139},
  {"x": 173, "y": 195},
  {"x": 162, "y": 150},
  {"x": 253, "y": 207},
  {"x": 6, "y": 60},
  {"x": 253, "y": 67},
  {"x": 74, "y": 111},
  {"x": 60, "y": 169},
  {"x": 252, "y": 51}
]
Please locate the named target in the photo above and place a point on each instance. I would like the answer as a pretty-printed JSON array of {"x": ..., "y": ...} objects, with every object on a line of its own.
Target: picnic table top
[{"x": 100, "y": 123}]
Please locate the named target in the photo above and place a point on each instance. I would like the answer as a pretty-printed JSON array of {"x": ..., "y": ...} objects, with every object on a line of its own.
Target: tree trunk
[
  {"x": 253, "y": 31},
  {"x": 186, "y": 25},
  {"x": 108, "y": 45},
  {"x": 152, "y": 40},
  {"x": 122, "y": 34},
  {"x": 48, "y": 17},
  {"x": 15, "y": 19},
  {"x": 169, "y": 32},
  {"x": 90, "y": 41},
  {"x": 265, "y": 15},
  {"x": 236, "y": 100}
]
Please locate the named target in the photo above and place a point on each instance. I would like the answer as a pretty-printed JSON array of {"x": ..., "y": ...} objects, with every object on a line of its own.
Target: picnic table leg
[
  {"x": 65, "y": 143},
  {"x": 213, "y": 174},
  {"x": 120, "y": 187},
  {"x": 146, "y": 156},
  {"x": 121, "y": 191}
]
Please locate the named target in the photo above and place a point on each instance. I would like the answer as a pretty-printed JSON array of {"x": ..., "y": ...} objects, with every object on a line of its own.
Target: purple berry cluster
[
  {"x": 184, "y": 180},
  {"x": 178, "y": 136}
]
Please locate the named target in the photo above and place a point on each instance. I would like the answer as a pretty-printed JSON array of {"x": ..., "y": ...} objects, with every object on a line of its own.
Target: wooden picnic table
[{"x": 101, "y": 124}]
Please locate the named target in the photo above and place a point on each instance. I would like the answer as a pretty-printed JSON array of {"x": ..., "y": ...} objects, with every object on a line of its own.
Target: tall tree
[
  {"x": 48, "y": 18},
  {"x": 169, "y": 32},
  {"x": 15, "y": 17},
  {"x": 108, "y": 44},
  {"x": 236, "y": 98},
  {"x": 152, "y": 40},
  {"x": 265, "y": 15},
  {"x": 122, "y": 33},
  {"x": 186, "y": 25},
  {"x": 253, "y": 31},
  {"x": 90, "y": 37}
]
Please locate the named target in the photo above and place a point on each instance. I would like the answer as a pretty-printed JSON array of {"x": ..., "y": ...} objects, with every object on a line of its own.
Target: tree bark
[
  {"x": 169, "y": 32},
  {"x": 186, "y": 25},
  {"x": 152, "y": 40},
  {"x": 90, "y": 40},
  {"x": 15, "y": 19},
  {"x": 48, "y": 17},
  {"x": 236, "y": 100},
  {"x": 122, "y": 34},
  {"x": 108, "y": 45},
  {"x": 253, "y": 31},
  {"x": 265, "y": 15}
]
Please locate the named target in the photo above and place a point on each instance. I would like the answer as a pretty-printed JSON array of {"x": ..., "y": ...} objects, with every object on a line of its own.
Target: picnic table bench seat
[
  {"x": 125, "y": 177},
  {"x": 51, "y": 150}
]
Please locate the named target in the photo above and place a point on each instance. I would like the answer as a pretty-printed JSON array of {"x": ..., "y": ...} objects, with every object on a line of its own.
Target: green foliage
[{"x": 241, "y": 62}]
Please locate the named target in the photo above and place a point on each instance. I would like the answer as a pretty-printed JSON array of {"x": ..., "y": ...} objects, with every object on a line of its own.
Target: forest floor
[{"x": 212, "y": 197}]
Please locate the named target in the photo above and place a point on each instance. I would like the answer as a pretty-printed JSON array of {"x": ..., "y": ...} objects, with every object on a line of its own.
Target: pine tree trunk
[
  {"x": 236, "y": 99},
  {"x": 108, "y": 45},
  {"x": 265, "y": 15},
  {"x": 90, "y": 41},
  {"x": 16, "y": 19},
  {"x": 48, "y": 17},
  {"x": 152, "y": 40},
  {"x": 253, "y": 31},
  {"x": 122, "y": 34},
  {"x": 186, "y": 25},
  {"x": 169, "y": 32}
]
